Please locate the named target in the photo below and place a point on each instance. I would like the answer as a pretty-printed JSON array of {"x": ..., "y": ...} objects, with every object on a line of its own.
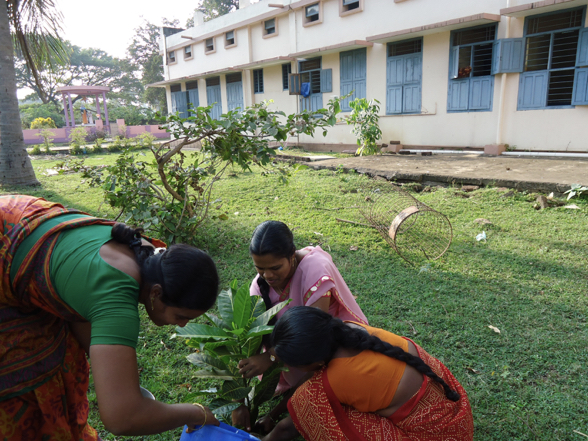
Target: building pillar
[
  {"x": 71, "y": 112},
  {"x": 65, "y": 110}
]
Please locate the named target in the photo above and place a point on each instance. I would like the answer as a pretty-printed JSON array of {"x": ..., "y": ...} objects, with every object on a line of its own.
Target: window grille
[
  {"x": 555, "y": 22},
  {"x": 209, "y": 44},
  {"x": 551, "y": 47},
  {"x": 230, "y": 38},
  {"x": 286, "y": 70},
  {"x": 258, "y": 81},
  {"x": 476, "y": 35},
  {"x": 176, "y": 88},
  {"x": 215, "y": 81},
  {"x": 405, "y": 48},
  {"x": 191, "y": 85},
  {"x": 234, "y": 78},
  {"x": 270, "y": 26},
  {"x": 314, "y": 63},
  {"x": 312, "y": 13},
  {"x": 187, "y": 51}
]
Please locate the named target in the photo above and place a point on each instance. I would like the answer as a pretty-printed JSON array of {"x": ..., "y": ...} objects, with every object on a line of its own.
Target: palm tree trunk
[{"x": 15, "y": 164}]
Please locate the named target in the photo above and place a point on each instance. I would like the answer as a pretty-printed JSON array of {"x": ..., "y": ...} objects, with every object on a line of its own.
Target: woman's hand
[
  {"x": 265, "y": 424},
  {"x": 210, "y": 419},
  {"x": 241, "y": 417},
  {"x": 255, "y": 365}
]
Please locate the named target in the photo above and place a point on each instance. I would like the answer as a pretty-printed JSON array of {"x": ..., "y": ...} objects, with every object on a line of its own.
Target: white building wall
[{"x": 546, "y": 129}]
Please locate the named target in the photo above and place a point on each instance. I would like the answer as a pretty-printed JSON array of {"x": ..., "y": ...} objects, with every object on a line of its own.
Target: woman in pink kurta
[{"x": 308, "y": 277}]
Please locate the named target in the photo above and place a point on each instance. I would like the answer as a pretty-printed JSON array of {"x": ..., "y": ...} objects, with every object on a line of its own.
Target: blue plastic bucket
[{"x": 224, "y": 432}]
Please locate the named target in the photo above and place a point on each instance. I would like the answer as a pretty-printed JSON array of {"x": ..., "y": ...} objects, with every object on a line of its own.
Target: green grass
[{"x": 529, "y": 279}]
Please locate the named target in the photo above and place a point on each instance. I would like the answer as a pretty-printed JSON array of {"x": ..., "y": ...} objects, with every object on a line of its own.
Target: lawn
[{"x": 529, "y": 279}]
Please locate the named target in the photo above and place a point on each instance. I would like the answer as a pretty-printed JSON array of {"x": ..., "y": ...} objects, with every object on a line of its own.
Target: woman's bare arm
[{"x": 123, "y": 410}]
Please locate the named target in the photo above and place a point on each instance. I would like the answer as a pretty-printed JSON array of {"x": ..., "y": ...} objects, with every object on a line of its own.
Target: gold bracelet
[{"x": 205, "y": 415}]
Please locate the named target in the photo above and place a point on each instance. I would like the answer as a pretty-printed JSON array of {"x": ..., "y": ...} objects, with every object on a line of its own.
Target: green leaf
[
  {"x": 209, "y": 363},
  {"x": 234, "y": 390},
  {"x": 225, "y": 307},
  {"x": 203, "y": 332},
  {"x": 264, "y": 318},
  {"x": 257, "y": 306},
  {"x": 251, "y": 346},
  {"x": 241, "y": 306},
  {"x": 259, "y": 330},
  {"x": 266, "y": 389},
  {"x": 226, "y": 409},
  {"x": 209, "y": 374}
]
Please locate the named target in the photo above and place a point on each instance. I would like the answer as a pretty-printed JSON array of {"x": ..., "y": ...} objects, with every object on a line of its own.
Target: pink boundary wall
[{"x": 62, "y": 135}]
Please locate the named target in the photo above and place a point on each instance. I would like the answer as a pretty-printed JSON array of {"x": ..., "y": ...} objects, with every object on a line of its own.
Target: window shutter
[
  {"x": 294, "y": 84},
  {"x": 413, "y": 69},
  {"x": 580, "y": 94},
  {"x": 174, "y": 106},
  {"x": 533, "y": 90},
  {"x": 454, "y": 62},
  {"x": 458, "y": 95},
  {"x": 346, "y": 72},
  {"x": 394, "y": 99},
  {"x": 508, "y": 55},
  {"x": 326, "y": 80},
  {"x": 182, "y": 104},
  {"x": 412, "y": 99},
  {"x": 316, "y": 102},
  {"x": 480, "y": 93},
  {"x": 582, "y": 59},
  {"x": 193, "y": 98}
]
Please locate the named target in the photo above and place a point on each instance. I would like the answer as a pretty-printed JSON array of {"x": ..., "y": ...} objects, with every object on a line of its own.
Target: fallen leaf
[
  {"x": 353, "y": 248},
  {"x": 551, "y": 195},
  {"x": 494, "y": 328},
  {"x": 472, "y": 370},
  {"x": 572, "y": 207},
  {"x": 483, "y": 221}
]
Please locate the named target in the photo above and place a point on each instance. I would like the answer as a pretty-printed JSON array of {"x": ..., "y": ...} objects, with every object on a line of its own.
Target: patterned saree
[
  {"x": 428, "y": 416},
  {"x": 44, "y": 373}
]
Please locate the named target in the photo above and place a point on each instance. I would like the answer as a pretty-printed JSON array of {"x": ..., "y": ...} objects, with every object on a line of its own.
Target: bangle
[{"x": 205, "y": 415}]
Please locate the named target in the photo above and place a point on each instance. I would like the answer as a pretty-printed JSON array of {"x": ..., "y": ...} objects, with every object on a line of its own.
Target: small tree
[
  {"x": 171, "y": 194},
  {"x": 77, "y": 138},
  {"x": 233, "y": 336},
  {"x": 48, "y": 137},
  {"x": 365, "y": 117}
]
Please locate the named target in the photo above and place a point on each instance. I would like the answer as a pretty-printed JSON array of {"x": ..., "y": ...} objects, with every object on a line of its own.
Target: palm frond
[{"x": 36, "y": 28}]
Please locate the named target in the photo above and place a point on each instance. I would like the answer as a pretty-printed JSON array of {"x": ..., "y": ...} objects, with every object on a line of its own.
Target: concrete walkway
[{"x": 522, "y": 173}]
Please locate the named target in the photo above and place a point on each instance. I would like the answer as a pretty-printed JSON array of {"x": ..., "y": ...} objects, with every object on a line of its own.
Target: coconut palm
[{"x": 32, "y": 28}]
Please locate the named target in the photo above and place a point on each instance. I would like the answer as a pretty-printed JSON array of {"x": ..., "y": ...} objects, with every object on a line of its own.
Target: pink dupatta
[{"x": 315, "y": 276}]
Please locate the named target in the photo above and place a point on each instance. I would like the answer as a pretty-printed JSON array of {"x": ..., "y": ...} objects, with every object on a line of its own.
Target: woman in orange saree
[
  {"x": 367, "y": 384},
  {"x": 44, "y": 373}
]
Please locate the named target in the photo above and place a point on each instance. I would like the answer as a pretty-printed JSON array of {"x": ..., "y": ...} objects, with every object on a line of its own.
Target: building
[{"x": 456, "y": 73}]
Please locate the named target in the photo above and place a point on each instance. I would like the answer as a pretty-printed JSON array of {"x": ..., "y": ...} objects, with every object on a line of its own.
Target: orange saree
[
  {"x": 44, "y": 373},
  {"x": 428, "y": 416}
]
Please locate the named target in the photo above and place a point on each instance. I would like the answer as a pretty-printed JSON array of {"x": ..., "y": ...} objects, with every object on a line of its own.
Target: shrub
[
  {"x": 43, "y": 123},
  {"x": 48, "y": 137},
  {"x": 29, "y": 112},
  {"x": 146, "y": 140},
  {"x": 36, "y": 150},
  {"x": 77, "y": 139},
  {"x": 364, "y": 117},
  {"x": 97, "y": 148}
]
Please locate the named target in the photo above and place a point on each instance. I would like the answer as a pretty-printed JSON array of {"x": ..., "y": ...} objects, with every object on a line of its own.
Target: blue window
[
  {"x": 213, "y": 97},
  {"x": 552, "y": 76},
  {"x": 179, "y": 100},
  {"x": 353, "y": 76},
  {"x": 234, "y": 91},
  {"x": 258, "y": 81},
  {"x": 192, "y": 92},
  {"x": 471, "y": 83},
  {"x": 404, "y": 69},
  {"x": 286, "y": 70},
  {"x": 310, "y": 74}
]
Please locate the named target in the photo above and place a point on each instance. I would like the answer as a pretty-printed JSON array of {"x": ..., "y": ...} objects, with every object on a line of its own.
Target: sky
[{"x": 109, "y": 24}]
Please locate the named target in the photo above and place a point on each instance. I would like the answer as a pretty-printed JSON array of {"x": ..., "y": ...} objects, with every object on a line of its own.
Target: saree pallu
[
  {"x": 44, "y": 373},
  {"x": 428, "y": 416}
]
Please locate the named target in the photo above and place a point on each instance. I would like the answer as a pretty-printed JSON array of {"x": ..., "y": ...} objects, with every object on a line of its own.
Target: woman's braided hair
[
  {"x": 187, "y": 275},
  {"x": 295, "y": 342}
]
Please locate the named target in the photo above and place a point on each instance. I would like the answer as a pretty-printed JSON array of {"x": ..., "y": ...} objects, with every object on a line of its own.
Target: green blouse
[{"x": 105, "y": 296}]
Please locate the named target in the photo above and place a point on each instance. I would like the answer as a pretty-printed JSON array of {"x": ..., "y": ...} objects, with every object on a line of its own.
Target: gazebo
[{"x": 95, "y": 91}]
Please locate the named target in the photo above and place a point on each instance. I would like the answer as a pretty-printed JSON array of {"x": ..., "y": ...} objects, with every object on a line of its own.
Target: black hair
[
  {"x": 187, "y": 275},
  {"x": 295, "y": 342},
  {"x": 275, "y": 238}
]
